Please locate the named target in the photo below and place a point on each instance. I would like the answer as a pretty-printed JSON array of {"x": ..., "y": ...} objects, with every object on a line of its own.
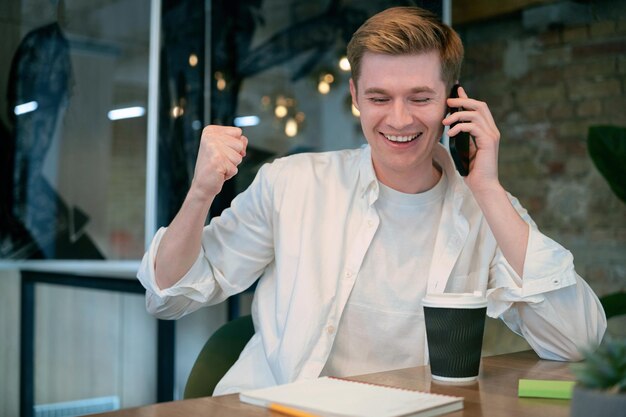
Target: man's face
[{"x": 402, "y": 101}]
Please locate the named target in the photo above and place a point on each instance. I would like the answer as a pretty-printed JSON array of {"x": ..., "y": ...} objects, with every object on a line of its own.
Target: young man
[{"x": 347, "y": 243}]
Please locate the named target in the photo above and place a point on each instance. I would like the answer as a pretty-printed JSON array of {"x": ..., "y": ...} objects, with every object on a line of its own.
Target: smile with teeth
[{"x": 395, "y": 138}]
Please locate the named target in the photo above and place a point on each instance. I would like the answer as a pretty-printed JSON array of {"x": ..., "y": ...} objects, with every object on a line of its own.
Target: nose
[{"x": 400, "y": 115}]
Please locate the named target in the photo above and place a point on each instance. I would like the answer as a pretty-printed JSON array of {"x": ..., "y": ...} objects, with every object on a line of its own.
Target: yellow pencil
[{"x": 294, "y": 412}]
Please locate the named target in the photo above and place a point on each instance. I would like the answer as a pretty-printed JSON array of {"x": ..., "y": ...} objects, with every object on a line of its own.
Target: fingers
[
  {"x": 217, "y": 129},
  {"x": 222, "y": 149},
  {"x": 466, "y": 121},
  {"x": 220, "y": 139},
  {"x": 461, "y": 92},
  {"x": 229, "y": 135},
  {"x": 244, "y": 140},
  {"x": 474, "y": 118},
  {"x": 233, "y": 158}
]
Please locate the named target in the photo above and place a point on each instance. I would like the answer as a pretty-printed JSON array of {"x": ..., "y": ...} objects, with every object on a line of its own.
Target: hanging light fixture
[
  {"x": 291, "y": 127},
  {"x": 323, "y": 87},
  {"x": 344, "y": 64},
  {"x": 221, "y": 81},
  {"x": 193, "y": 60}
]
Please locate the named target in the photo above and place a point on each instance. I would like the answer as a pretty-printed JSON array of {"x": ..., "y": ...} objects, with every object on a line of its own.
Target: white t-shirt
[{"x": 384, "y": 312}]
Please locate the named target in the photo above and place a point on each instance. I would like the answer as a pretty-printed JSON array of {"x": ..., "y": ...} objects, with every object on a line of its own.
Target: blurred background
[{"x": 101, "y": 108}]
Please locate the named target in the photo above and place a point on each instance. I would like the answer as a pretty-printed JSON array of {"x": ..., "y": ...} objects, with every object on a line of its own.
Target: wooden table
[{"x": 494, "y": 394}]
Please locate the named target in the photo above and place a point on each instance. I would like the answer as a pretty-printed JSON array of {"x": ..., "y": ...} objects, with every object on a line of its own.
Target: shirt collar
[
  {"x": 368, "y": 183},
  {"x": 456, "y": 184}
]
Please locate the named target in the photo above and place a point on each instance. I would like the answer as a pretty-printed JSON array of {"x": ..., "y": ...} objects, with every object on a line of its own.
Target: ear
[{"x": 353, "y": 94}]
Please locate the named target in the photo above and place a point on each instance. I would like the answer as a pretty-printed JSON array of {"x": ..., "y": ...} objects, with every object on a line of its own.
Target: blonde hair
[{"x": 403, "y": 31}]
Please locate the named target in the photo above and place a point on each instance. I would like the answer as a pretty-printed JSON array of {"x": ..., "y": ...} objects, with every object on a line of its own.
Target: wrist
[
  {"x": 486, "y": 189},
  {"x": 198, "y": 195}
]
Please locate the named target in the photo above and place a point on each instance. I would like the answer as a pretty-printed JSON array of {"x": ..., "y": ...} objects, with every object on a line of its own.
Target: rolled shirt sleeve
[
  {"x": 552, "y": 307},
  {"x": 195, "y": 289}
]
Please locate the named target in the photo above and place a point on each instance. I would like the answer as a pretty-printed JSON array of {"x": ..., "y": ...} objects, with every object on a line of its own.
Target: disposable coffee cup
[{"x": 455, "y": 324}]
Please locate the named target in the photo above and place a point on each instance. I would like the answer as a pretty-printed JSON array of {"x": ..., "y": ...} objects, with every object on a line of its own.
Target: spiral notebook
[{"x": 337, "y": 397}]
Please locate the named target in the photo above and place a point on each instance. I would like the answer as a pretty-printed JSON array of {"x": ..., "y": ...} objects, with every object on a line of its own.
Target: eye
[
  {"x": 377, "y": 100},
  {"x": 420, "y": 100}
]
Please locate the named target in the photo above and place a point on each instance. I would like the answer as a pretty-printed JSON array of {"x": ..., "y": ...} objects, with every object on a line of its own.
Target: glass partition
[
  {"x": 269, "y": 71},
  {"x": 73, "y": 100},
  {"x": 74, "y": 94}
]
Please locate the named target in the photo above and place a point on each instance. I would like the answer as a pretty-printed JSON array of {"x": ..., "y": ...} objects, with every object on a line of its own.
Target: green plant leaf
[
  {"x": 607, "y": 149},
  {"x": 605, "y": 367}
]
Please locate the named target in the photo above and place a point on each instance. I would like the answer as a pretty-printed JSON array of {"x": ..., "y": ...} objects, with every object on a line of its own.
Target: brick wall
[{"x": 545, "y": 88}]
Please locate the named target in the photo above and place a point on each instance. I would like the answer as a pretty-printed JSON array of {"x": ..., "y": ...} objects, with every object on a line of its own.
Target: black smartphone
[{"x": 459, "y": 144}]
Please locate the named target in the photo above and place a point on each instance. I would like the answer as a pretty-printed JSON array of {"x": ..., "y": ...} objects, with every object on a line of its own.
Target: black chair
[{"x": 217, "y": 356}]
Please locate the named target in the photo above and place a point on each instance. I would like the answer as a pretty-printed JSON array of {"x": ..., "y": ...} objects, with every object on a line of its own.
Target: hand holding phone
[{"x": 459, "y": 144}]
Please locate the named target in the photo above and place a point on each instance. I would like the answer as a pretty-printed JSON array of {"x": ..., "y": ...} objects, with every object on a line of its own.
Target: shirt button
[
  {"x": 330, "y": 329},
  {"x": 348, "y": 274},
  {"x": 370, "y": 223},
  {"x": 555, "y": 282}
]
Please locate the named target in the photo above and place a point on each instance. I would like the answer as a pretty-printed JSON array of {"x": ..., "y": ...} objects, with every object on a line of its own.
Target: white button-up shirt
[{"x": 304, "y": 226}]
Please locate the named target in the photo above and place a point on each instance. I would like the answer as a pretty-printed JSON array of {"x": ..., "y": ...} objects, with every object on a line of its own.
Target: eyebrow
[{"x": 414, "y": 90}]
